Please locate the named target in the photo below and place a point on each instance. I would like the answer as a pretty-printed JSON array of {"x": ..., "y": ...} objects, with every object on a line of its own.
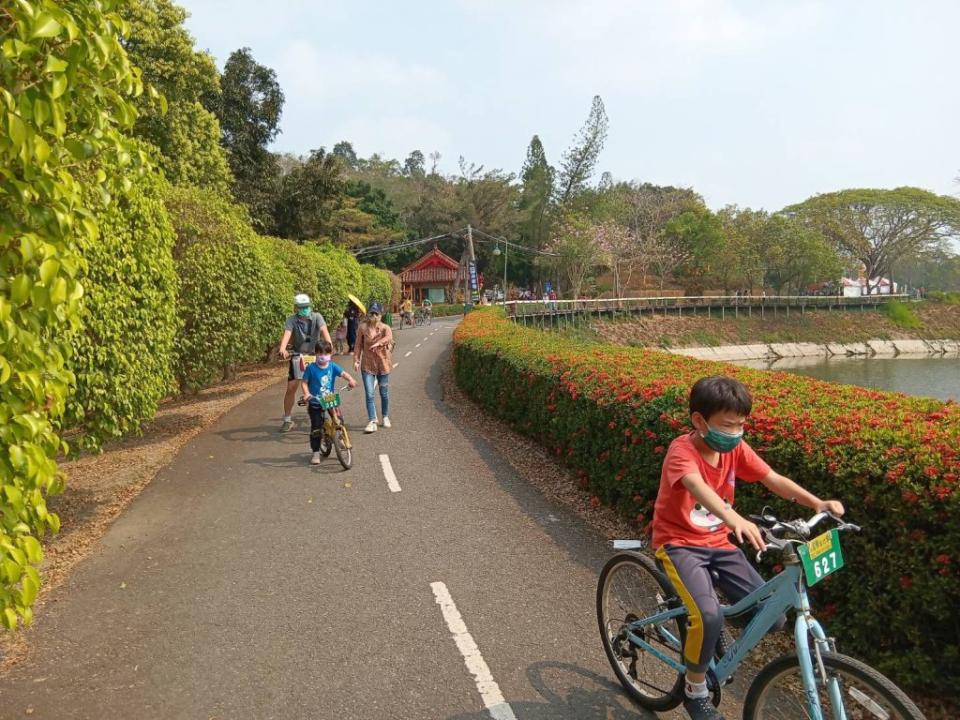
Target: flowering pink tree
[
  {"x": 575, "y": 253},
  {"x": 620, "y": 250}
]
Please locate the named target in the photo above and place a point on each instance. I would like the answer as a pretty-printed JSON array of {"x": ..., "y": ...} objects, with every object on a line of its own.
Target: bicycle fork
[{"x": 811, "y": 663}]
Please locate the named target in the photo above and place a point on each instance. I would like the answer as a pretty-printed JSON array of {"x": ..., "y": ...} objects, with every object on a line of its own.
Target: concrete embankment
[{"x": 871, "y": 348}]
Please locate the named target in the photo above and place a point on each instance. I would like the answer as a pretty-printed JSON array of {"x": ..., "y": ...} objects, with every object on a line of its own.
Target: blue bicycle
[{"x": 643, "y": 626}]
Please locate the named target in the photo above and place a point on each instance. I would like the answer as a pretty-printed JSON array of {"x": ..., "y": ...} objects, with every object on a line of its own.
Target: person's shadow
[{"x": 569, "y": 692}]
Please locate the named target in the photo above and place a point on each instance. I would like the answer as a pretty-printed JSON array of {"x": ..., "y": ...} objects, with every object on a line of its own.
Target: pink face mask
[{"x": 323, "y": 359}]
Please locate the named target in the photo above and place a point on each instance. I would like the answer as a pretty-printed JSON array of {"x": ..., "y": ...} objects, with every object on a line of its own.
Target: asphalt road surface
[{"x": 428, "y": 581}]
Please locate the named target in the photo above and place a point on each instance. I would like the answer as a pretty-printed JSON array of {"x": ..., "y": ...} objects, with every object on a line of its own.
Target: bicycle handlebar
[
  {"x": 778, "y": 534},
  {"x": 305, "y": 398}
]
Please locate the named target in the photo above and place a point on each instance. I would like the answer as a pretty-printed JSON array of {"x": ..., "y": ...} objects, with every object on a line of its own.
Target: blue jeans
[{"x": 368, "y": 382}]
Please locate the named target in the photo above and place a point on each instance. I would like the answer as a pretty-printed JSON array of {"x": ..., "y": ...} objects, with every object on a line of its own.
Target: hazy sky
[{"x": 755, "y": 103}]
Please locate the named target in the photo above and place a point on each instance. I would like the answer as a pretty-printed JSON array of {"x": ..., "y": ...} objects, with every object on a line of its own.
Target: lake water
[{"x": 930, "y": 376}]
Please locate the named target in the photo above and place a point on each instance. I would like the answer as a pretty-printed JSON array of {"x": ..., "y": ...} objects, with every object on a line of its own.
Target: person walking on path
[
  {"x": 300, "y": 335},
  {"x": 352, "y": 314},
  {"x": 372, "y": 357},
  {"x": 319, "y": 379}
]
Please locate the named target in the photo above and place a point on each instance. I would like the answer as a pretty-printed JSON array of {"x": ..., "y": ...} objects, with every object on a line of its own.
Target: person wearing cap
[
  {"x": 372, "y": 357},
  {"x": 300, "y": 335}
]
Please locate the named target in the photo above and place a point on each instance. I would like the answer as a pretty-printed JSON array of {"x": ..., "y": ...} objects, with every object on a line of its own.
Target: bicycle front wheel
[
  {"x": 631, "y": 588},
  {"x": 341, "y": 445},
  {"x": 777, "y": 693}
]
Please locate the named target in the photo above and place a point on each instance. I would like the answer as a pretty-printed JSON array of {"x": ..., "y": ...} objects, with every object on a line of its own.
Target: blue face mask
[
  {"x": 303, "y": 312},
  {"x": 720, "y": 441}
]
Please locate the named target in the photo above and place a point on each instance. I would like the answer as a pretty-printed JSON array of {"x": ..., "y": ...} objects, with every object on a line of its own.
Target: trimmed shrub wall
[
  {"x": 123, "y": 355},
  {"x": 377, "y": 286},
  {"x": 610, "y": 413},
  {"x": 232, "y": 288}
]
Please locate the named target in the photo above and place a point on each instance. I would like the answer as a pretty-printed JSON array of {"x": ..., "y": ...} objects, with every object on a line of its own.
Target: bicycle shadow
[{"x": 570, "y": 692}]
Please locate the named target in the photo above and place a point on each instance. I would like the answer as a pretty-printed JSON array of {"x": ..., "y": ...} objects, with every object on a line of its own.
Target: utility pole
[
  {"x": 506, "y": 254},
  {"x": 471, "y": 268}
]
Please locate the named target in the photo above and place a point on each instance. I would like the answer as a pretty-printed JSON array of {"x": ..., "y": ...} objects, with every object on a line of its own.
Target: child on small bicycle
[
  {"x": 694, "y": 513},
  {"x": 319, "y": 378}
]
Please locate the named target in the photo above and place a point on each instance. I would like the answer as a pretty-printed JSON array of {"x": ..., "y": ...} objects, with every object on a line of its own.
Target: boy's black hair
[
  {"x": 717, "y": 393},
  {"x": 323, "y": 347}
]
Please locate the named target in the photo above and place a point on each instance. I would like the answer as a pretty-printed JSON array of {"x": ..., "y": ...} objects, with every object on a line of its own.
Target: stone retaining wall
[{"x": 871, "y": 348}]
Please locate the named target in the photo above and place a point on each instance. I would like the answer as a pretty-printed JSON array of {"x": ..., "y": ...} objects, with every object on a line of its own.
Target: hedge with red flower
[{"x": 610, "y": 412}]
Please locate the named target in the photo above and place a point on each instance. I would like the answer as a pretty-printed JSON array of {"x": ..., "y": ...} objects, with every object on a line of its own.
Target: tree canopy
[{"x": 881, "y": 228}]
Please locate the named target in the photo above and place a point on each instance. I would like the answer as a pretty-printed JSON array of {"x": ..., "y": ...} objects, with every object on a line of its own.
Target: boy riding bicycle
[
  {"x": 319, "y": 378},
  {"x": 694, "y": 513}
]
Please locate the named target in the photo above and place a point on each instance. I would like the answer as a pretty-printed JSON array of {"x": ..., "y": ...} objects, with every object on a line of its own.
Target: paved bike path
[{"x": 245, "y": 584}]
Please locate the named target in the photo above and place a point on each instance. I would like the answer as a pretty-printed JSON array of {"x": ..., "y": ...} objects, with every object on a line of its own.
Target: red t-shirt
[{"x": 678, "y": 519}]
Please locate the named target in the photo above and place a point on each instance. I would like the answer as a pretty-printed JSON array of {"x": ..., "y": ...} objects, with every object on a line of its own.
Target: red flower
[
  {"x": 594, "y": 501},
  {"x": 612, "y": 425},
  {"x": 943, "y": 559},
  {"x": 910, "y": 497},
  {"x": 906, "y": 582},
  {"x": 658, "y": 449}
]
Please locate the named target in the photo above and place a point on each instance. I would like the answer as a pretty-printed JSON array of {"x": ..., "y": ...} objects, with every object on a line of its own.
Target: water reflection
[{"x": 914, "y": 375}]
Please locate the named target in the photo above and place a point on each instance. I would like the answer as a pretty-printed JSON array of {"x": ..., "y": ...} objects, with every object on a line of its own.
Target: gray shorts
[{"x": 295, "y": 370}]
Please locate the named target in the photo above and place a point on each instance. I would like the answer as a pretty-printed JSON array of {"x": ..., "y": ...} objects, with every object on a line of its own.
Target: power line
[{"x": 390, "y": 247}]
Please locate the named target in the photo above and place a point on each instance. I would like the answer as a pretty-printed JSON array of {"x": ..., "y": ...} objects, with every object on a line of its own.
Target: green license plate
[
  {"x": 328, "y": 402},
  {"x": 821, "y": 556}
]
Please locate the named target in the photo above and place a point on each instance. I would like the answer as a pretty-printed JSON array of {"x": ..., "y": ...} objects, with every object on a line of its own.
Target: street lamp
[{"x": 496, "y": 251}]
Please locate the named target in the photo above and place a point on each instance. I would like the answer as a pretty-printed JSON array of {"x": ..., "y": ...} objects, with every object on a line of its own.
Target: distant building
[
  {"x": 433, "y": 276},
  {"x": 859, "y": 288}
]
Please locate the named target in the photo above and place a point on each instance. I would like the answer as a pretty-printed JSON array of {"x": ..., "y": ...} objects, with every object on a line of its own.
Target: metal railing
[{"x": 556, "y": 312}]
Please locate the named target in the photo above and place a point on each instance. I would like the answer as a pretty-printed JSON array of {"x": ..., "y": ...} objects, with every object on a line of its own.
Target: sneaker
[
  {"x": 386, "y": 422},
  {"x": 315, "y": 460},
  {"x": 287, "y": 426},
  {"x": 701, "y": 709},
  {"x": 371, "y": 427}
]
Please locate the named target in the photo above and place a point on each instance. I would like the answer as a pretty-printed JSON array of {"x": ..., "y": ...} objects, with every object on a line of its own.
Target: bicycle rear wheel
[
  {"x": 777, "y": 693},
  {"x": 341, "y": 444},
  {"x": 630, "y": 588}
]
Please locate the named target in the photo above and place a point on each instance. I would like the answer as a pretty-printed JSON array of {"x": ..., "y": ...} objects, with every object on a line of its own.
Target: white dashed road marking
[
  {"x": 389, "y": 474},
  {"x": 395, "y": 365},
  {"x": 409, "y": 353},
  {"x": 489, "y": 690},
  {"x": 419, "y": 344}
]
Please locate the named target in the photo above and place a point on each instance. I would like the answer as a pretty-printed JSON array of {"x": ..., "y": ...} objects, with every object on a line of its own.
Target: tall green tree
[
  {"x": 344, "y": 150},
  {"x": 179, "y": 121},
  {"x": 309, "y": 195},
  {"x": 882, "y": 228},
  {"x": 249, "y": 110},
  {"x": 414, "y": 164},
  {"x": 535, "y": 193},
  {"x": 694, "y": 240},
  {"x": 580, "y": 160}
]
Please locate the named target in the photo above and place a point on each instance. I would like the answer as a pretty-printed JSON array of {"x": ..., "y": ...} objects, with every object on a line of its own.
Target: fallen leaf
[
  {"x": 346, "y": 485},
  {"x": 123, "y": 585}
]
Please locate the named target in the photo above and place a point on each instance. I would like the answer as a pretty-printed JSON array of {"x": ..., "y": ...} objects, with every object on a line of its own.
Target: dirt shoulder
[
  {"x": 100, "y": 487},
  {"x": 937, "y": 322}
]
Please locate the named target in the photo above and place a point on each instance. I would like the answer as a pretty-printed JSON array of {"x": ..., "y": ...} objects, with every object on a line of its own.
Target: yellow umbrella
[{"x": 353, "y": 299}]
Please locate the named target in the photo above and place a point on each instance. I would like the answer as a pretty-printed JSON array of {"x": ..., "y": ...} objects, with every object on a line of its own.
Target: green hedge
[
  {"x": 65, "y": 83},
  {"x": 232, "y": 288},
  {"x": 123, "y": 356},
  {"x": 447, "y": 310},
  {"x": 377, "y": 286},
  {"x": 610, "y": 413}
]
